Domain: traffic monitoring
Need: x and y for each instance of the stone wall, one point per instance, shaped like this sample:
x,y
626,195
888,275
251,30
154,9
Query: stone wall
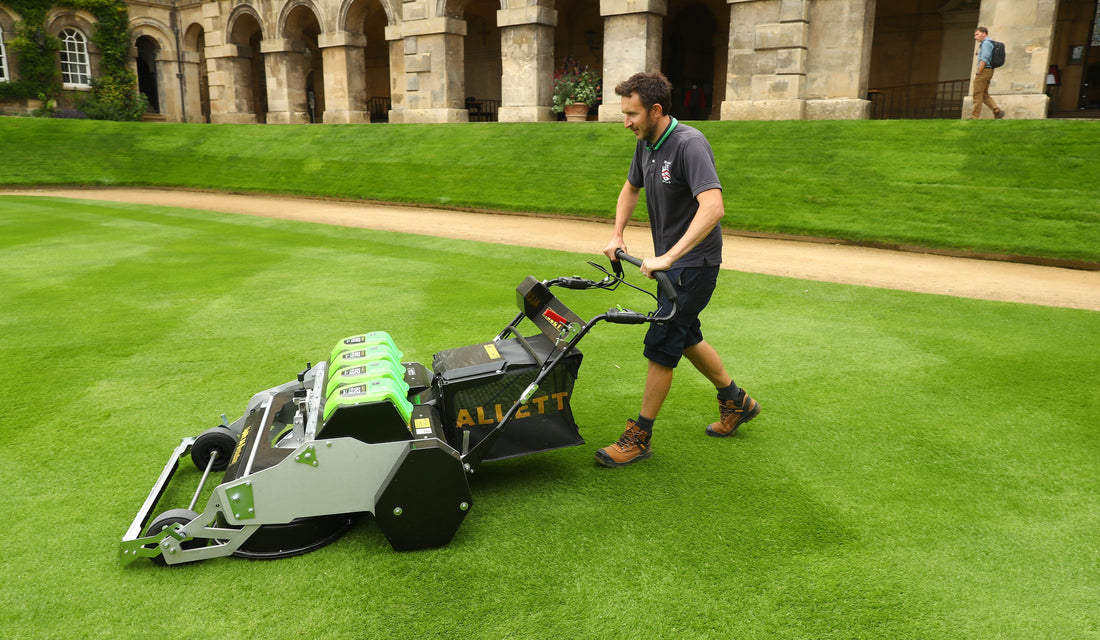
x,y
251,60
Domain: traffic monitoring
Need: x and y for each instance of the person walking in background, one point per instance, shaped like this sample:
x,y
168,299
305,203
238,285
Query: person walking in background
x,y
675,165
695,102
984,76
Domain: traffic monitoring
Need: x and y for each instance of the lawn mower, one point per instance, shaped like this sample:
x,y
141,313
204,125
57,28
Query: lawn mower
x,y
364,432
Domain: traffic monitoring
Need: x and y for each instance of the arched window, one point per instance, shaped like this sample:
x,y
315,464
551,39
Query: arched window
x,y
3,58
75,70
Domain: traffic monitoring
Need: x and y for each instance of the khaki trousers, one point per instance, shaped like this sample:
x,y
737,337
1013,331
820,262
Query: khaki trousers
x,y
981,93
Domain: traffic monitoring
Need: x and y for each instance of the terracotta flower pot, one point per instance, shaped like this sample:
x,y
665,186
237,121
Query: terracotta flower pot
x,y
576,112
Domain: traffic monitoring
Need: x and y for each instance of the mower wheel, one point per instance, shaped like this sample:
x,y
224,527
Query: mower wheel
x,y
167,519
220,439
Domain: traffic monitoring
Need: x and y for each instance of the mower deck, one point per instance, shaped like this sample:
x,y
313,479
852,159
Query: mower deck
x,y
365,432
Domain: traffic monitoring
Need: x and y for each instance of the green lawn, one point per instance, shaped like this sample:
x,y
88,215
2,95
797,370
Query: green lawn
x,y
1026,188
924,467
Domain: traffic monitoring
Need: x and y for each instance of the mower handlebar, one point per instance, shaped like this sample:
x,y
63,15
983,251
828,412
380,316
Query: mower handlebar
x,y
662,277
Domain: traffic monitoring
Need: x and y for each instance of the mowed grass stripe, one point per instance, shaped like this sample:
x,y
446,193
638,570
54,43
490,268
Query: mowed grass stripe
x,y
924,466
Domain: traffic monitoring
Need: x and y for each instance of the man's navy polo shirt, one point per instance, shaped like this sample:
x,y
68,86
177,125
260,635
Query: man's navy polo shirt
x,y
673,172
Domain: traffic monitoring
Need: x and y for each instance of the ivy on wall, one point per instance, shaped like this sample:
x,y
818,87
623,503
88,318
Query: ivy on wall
x,y
36,51
114,94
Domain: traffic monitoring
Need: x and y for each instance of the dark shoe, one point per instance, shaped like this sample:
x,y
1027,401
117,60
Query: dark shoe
x,y
999,113
733,415
632,446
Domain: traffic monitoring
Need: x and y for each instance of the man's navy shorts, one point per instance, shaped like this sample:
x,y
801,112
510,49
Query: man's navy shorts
x,y
665,343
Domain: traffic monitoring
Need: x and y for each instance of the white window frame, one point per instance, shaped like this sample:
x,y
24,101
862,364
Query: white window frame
x,y
4,77
76,68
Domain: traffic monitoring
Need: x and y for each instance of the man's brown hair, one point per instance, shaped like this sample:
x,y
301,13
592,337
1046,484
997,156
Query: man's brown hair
x,y
652,88
984,30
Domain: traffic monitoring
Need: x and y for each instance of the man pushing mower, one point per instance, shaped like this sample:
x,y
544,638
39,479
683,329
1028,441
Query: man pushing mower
x,y
675,165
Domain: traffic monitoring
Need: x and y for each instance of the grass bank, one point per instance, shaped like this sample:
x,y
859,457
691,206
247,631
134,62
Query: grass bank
x,y
1025,188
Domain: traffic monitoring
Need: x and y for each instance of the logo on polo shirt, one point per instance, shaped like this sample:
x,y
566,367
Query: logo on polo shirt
x,y
666,172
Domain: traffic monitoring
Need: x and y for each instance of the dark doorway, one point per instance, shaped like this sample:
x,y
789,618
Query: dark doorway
x,y
689,61
147,49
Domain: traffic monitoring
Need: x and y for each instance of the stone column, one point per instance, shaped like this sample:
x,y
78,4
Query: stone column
x,y
345,77
397,74
227,72
838,58
1027,29
286,70
230,97
168,87
527,49
631,43
767,60
431,85
192,79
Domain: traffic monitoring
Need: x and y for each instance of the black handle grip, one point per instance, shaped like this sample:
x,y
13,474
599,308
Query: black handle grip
x,y
662,278
623,316
574,283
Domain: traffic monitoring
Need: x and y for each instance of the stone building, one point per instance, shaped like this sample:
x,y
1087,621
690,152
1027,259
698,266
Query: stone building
x,y
358,61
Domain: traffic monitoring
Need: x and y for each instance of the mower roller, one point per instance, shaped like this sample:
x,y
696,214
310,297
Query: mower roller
x,y
364,432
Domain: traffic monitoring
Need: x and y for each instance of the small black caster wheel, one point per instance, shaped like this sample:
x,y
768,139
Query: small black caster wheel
x,y
167,519
216,439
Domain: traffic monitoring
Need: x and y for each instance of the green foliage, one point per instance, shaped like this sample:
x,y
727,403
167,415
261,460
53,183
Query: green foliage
x,y
113,98
39,73
48,108
576,84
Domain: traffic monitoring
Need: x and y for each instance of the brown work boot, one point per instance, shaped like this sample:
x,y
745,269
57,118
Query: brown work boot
x,y
999,113
632,446
733,415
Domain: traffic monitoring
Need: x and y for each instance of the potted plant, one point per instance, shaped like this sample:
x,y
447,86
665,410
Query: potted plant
x,y
576,89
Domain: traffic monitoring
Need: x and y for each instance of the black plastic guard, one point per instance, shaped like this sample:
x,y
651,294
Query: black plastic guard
x,y
424,500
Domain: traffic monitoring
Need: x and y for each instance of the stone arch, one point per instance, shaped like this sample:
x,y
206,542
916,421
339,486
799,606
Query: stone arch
x,y
8,19
234,22
156,30
148,52
287,24
367,58
196,72
244,96
295,65
350,12
59,18
194,37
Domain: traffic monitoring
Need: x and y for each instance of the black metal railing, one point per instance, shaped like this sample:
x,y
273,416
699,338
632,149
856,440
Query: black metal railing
x,y
379,108
919,101
482,109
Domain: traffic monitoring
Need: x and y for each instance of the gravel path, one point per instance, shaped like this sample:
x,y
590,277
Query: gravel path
x,y
925,273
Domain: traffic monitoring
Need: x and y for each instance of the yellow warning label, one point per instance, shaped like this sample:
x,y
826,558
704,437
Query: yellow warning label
x,y
492,351
422,426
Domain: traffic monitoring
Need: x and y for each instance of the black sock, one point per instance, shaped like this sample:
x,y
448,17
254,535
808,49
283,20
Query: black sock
x,y
645,424
732,392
